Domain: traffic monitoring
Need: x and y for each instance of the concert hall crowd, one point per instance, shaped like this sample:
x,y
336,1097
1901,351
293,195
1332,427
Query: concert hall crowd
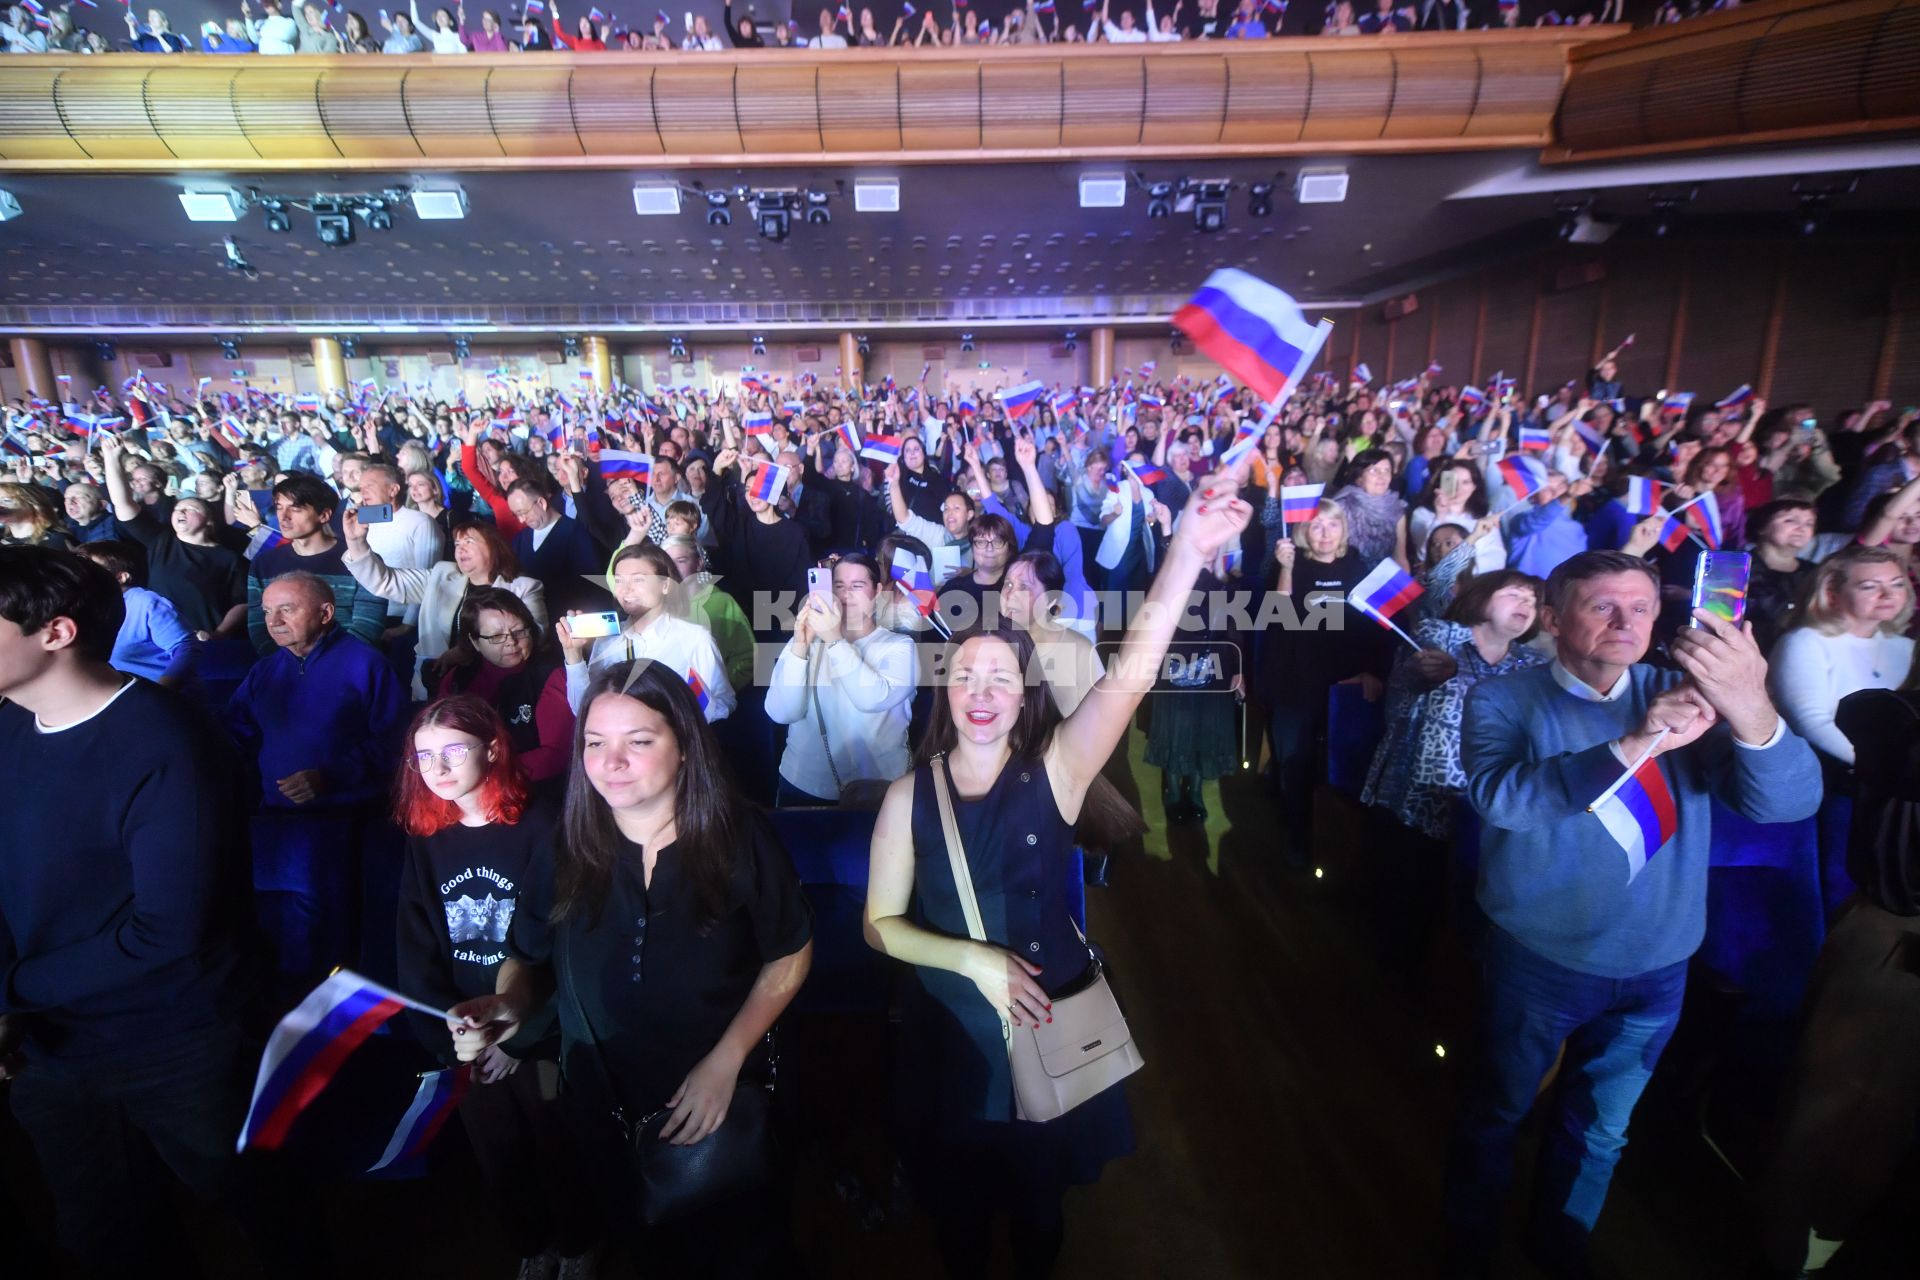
x,y
503,701
283,27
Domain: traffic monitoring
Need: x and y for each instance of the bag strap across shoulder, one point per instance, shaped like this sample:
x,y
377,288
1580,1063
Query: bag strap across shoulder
x,y
962,876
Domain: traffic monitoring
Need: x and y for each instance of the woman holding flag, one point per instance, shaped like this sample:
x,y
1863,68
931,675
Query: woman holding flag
x,y
1020,778
1317,644
474,831
669,932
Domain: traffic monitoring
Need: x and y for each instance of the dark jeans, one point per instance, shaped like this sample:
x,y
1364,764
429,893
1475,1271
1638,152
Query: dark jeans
x,y
527,1158
108,1131
1291,732
1614,1030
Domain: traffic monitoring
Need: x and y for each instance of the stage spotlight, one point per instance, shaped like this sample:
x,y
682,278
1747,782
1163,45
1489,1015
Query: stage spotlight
x,y
379,216
861,344
817,211
966,342
1073,339
718,215
334,229
1815,197
1667,206
759,344
775,221
462,346
570,346
349,346
677,350
278,220
230,348
1260,200
1160,200
1210,206
105,351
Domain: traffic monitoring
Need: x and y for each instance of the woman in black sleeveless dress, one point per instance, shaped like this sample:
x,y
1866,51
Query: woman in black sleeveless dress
x,y
1020,777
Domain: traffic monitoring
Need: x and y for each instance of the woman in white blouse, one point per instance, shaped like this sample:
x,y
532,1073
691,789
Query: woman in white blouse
x,y
846,686
1846,637
481,558
642,579
443,33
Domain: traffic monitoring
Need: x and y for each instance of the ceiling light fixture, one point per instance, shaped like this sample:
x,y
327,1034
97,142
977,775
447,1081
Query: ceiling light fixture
x,y
440,206
213,206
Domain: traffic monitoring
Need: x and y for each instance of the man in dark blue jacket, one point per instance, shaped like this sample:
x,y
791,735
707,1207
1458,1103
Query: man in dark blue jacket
x,y
558,550
124,920
320,718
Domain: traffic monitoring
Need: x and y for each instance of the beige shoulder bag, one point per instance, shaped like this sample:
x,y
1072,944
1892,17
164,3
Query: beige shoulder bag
x,y
1085,1050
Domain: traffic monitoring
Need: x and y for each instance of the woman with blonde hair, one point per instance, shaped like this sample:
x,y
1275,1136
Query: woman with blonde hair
x,y
31,517
1847,636
1307,642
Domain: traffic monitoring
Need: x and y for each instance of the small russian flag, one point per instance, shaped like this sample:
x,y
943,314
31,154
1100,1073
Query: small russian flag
x,y
617,464
1473,398
308,402
1385,591
1148,476
966,404
1739,397
1677,403
1522,475
849,435
1704,516
881,449
1641,815
1674,532
758,424
308,1047
437,1098
1362,375
1018,401
768,482
698,687
1595,442
750,381
1535,439
1299,502
1643,496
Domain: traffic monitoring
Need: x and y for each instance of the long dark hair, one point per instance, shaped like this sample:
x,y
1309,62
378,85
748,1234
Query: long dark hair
x,y
1106,819
706,804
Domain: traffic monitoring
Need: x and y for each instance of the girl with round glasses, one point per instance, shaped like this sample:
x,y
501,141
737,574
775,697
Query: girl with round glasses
x,y
474,831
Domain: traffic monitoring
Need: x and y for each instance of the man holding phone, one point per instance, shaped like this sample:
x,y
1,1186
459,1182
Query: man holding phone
x,y
399,535
1579,951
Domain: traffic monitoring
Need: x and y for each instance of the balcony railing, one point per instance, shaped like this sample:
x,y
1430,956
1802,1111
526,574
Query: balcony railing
x,y
1216,99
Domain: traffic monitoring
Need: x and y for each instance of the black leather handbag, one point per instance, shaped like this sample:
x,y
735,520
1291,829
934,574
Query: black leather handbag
x,y
670,1182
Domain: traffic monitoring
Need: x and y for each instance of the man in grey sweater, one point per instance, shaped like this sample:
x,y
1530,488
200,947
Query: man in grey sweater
x,y
1587,941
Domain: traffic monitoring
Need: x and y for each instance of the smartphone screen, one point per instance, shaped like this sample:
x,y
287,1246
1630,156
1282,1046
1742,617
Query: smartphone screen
x,y
375,513
593,626
1720,584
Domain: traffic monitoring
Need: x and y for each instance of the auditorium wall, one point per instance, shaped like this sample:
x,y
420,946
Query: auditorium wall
x,y
1829,321
284,366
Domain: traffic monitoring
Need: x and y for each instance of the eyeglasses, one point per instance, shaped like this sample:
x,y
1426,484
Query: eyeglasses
x,y
450,758
989,544
514,636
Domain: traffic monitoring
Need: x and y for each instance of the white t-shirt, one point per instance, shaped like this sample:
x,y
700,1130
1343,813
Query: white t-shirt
x,y
673,642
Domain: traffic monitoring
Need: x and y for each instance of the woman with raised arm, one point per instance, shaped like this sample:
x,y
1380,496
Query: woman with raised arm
x,y
1019,778
586,37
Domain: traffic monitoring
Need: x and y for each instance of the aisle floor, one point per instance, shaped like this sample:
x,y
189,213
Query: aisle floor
x,y
1291,1117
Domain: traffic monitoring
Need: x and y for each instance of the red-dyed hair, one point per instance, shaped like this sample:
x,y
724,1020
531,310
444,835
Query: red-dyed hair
x,y
503,791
